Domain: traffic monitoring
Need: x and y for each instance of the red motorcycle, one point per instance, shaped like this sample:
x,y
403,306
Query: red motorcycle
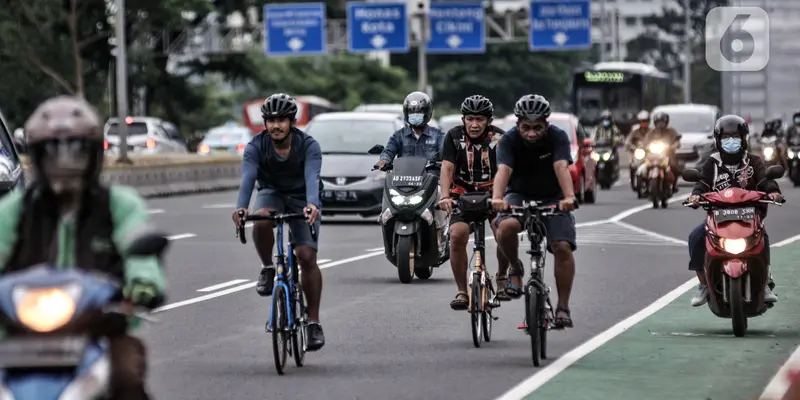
x,y
735,270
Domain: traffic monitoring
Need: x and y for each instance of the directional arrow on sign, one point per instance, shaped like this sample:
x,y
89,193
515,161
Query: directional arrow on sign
x,y
295,44
378,41
560,38
454,41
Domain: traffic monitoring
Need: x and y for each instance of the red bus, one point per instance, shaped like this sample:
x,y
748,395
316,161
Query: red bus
x,y
308,108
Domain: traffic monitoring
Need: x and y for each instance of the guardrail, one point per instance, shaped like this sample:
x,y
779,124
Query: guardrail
x,y
166,175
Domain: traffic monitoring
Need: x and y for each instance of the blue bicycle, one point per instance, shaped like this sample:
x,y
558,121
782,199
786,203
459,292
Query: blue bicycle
x,y
288,315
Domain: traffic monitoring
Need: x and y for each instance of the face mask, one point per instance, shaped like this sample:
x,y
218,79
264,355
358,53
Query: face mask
x,y
731,145
606,123
797,120
416,119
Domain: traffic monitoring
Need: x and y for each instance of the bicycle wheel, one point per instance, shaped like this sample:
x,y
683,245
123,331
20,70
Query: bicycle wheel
x,y
280,344
486,316
299,344
543,323
475,310
532,312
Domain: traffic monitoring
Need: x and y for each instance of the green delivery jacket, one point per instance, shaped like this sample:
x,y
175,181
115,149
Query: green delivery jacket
x,y
32,231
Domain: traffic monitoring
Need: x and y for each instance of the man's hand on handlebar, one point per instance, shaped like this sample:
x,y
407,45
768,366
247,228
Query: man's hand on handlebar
x,y
693,200
380,165
446,204
239,215
311,212
776,197
499,205
567,204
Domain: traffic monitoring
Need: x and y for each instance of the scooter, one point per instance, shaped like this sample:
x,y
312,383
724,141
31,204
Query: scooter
x,y
638,182
57,323
410,238
607,164
734,266
657,173
770,150
793,160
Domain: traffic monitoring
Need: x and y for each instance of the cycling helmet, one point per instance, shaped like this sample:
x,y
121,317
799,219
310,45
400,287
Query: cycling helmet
x,y
532,107
731,124
661,117
418,103
279,105
643,116
477,105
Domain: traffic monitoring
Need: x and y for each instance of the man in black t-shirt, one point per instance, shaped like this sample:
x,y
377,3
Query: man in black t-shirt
x,y
469,162
533,160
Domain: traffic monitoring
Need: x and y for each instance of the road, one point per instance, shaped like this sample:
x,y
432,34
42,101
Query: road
x,y
387,340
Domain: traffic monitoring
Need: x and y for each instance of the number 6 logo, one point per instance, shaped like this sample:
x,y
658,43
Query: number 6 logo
x,y
737,39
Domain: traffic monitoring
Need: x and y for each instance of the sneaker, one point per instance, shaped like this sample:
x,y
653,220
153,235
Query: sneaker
x,y
769,297
315,338
265,281
701,296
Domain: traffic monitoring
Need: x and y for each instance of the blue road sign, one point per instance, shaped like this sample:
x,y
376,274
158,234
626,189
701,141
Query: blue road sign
x,y
560,25
457,28
377,26
295,29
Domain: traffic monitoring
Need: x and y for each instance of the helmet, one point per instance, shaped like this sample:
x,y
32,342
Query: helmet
x,y
796,118
477,105
279,105
418,103
532,106
606,115
731,124
643,116
661,117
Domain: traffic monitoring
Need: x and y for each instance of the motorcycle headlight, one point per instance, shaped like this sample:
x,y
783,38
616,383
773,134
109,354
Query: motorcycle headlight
x,y
639,154
790,154
379,176
734,246
45,309
606,156
768,152
657,147
403,200
595,156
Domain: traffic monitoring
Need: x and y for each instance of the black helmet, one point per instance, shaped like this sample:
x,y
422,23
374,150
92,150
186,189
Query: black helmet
x,y
477,105
418,103
532,107
660,117
796,118
731,124
279,105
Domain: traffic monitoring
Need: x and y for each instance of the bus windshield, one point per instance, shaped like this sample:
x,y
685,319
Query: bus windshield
x,y
619,99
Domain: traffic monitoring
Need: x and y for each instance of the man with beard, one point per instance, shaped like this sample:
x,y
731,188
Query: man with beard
x,y
284,164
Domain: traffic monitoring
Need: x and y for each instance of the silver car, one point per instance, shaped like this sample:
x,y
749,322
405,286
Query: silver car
x,y
146,135
695,124
227,139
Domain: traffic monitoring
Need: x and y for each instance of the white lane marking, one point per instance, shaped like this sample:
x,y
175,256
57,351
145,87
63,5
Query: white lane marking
x,y
181,236
323,261
375,249
786,241
779,384
156,211
627,213
544,375
229,205
222,285
651,233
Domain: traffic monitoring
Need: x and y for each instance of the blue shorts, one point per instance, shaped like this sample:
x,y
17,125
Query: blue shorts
x,y
560,227
301,234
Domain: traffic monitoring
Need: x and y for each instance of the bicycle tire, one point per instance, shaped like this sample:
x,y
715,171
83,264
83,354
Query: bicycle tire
x,y
299,338
543,327
486,315
532,319
475,310
280,348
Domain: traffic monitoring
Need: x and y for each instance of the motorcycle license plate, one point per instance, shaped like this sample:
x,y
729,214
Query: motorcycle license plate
x,y
65,351
735,214
407,180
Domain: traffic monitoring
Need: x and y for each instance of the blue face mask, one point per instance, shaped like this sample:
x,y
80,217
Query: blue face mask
x,y
731,145
416,119
606,123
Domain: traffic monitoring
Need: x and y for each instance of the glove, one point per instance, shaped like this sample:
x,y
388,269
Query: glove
x,y
142,293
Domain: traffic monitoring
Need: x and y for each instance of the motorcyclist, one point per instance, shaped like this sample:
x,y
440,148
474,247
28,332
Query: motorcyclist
x,y
638,132
793,131
607,134
663,132
731,166
773,128
68,218
469,163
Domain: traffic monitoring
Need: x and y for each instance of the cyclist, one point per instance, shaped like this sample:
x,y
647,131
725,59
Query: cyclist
x,y
533,160
68,218
284,164
469,162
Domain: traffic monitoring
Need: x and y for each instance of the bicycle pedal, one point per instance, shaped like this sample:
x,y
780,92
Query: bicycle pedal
x,y
522,326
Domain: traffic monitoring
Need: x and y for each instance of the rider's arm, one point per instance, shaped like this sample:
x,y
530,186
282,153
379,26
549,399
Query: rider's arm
x,y
393,147
505,165
760,175
10,212
448,166
249,173
312,168
561,161
706,178
129,217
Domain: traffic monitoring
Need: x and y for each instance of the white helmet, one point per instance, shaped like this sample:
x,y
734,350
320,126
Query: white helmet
x,y
643,115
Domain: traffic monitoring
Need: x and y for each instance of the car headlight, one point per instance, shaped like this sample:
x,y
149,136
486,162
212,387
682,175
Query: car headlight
x,y
45,309
403,200
595,156
606,156
656,147
639,154
734,246
379,176
768,152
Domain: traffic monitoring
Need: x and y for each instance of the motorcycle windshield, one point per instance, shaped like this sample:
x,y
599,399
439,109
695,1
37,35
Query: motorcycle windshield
x,y
408,173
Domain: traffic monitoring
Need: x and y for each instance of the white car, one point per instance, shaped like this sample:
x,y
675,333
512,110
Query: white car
x,y
145,135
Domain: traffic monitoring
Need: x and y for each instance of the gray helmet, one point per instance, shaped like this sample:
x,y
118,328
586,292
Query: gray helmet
x,y
279,105
477,105
532,107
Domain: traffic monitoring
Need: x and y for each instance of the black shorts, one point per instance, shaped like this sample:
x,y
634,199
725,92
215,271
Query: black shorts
x,y
454,218
560,227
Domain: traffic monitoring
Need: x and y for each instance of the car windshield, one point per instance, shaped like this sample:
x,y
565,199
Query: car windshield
x,y
350,136
564,125
228,135
134,129
691,121
449,123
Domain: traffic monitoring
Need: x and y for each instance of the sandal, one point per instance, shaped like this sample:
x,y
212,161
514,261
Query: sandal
x,y
512,290
563,321
461,302
501,294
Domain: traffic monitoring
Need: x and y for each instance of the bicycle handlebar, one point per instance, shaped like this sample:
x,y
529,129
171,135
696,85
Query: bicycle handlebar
x,y
273,216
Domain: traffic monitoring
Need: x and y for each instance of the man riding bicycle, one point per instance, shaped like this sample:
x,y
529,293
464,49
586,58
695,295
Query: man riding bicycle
x,y
533,160
284,164
469,163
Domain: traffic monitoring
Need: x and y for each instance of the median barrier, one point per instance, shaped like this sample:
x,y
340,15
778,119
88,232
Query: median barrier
x,y
171,174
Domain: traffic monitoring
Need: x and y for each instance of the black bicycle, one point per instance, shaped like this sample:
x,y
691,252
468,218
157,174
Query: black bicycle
x,y
539,313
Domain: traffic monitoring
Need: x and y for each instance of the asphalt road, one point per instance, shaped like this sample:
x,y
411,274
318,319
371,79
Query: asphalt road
x,y
387,340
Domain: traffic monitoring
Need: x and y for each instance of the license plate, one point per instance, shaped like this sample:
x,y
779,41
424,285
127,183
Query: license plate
x,y
406,180
735,214
340,195
222,148
42,351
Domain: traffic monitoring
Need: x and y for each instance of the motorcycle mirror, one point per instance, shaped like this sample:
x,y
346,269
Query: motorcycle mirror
x,y
149,244
691,175
375,150
775,172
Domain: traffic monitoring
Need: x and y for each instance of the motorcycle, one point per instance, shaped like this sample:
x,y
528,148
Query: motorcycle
x,y
410,238
793,160
607,164
656,173
770,149
56,323
734,266
638,183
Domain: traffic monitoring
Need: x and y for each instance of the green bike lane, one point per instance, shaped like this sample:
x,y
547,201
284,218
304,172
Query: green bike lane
x,y
682,352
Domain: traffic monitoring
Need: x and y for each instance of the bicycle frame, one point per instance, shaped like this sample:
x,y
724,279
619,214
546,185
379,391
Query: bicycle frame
x,y
479,250
281,278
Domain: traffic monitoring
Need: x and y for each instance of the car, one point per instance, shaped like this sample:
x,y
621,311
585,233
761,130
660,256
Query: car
x,y
350,188
228,138
448,122
12,175
695,124
396,108
146,135
582,168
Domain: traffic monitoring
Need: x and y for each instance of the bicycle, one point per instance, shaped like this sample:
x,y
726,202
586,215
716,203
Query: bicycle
x,y
476,207
288,314
539,314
